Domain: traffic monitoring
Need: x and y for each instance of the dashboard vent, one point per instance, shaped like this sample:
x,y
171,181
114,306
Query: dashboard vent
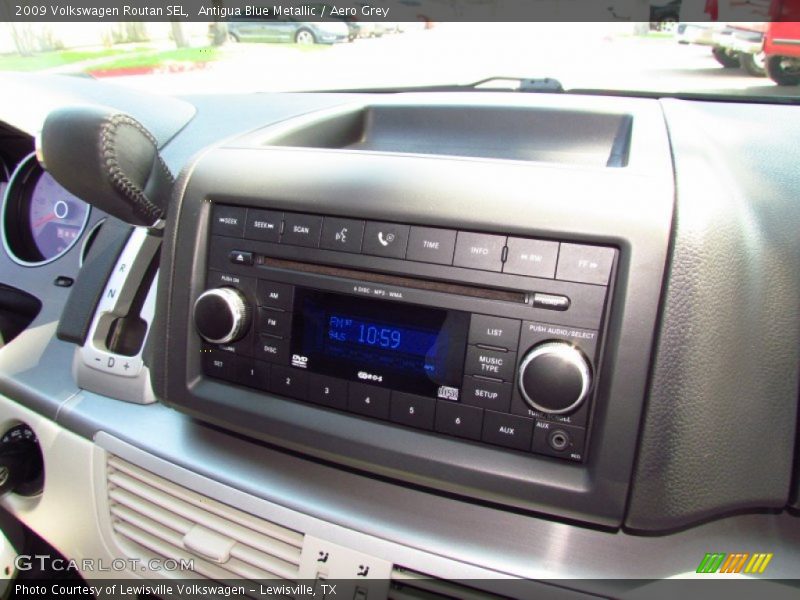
x,y
154,518
413,585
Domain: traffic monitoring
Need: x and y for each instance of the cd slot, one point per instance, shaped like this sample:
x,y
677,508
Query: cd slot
x,y
406,282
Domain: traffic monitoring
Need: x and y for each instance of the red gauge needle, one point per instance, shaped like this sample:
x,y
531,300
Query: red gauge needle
x,y
44,220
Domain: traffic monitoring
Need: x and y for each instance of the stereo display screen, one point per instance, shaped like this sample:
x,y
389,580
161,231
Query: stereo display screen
x,y
415,349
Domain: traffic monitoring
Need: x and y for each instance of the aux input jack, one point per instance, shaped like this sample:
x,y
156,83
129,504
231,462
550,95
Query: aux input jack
x,y
559,440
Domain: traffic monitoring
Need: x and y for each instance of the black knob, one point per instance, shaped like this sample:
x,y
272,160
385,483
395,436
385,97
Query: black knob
x,y
554,377
21,464
221,315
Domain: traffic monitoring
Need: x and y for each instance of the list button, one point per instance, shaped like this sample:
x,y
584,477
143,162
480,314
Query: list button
x,y
494,331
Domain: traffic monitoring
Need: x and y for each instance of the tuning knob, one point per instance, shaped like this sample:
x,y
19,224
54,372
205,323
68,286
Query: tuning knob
x,y
554,377
221,315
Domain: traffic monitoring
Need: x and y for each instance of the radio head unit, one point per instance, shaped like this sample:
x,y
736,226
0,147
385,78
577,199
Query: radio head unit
x,y
474,362
473,326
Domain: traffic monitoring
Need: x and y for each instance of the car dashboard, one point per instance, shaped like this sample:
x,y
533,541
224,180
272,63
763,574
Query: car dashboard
x,y
451,343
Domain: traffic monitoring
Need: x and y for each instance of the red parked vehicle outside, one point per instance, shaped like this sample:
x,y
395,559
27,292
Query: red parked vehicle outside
x,y
782,43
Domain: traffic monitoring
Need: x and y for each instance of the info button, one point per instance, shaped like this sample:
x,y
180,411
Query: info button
x,y
479,251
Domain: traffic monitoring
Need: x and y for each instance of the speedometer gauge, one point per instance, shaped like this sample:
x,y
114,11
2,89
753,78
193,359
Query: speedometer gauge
x,y
41,220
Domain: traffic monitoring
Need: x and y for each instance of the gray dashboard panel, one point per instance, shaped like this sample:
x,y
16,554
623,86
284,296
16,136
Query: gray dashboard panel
x,y
630,208
719,434
489,537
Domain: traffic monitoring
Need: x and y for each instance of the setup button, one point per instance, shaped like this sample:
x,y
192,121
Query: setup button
x,y
494,395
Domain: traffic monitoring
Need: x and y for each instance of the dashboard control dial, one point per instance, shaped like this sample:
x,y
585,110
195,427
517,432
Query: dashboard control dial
x,y
554,377
221,315
21,463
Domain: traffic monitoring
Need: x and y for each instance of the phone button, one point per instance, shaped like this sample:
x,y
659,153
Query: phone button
x,y
385,239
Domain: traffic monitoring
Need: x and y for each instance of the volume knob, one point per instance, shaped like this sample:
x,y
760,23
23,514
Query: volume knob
x,y
554,377
221,315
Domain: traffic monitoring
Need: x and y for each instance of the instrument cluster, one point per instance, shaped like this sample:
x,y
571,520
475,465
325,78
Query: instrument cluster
x,y
41,221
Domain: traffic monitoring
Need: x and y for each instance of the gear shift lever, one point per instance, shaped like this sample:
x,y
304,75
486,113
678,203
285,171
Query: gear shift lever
x,y
108,159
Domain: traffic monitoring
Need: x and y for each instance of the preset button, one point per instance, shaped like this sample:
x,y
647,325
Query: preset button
x,y
368,400
413,411
327,391
288,382
459,420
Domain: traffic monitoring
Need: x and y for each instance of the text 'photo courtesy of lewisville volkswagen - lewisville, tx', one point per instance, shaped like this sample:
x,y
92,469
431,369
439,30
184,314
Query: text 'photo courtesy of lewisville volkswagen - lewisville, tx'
x,y
400,299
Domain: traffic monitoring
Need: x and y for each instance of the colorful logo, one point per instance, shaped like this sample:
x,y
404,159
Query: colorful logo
x,y
736,562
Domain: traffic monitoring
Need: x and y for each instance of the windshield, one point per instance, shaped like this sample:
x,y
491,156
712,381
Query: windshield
x,y
665,47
